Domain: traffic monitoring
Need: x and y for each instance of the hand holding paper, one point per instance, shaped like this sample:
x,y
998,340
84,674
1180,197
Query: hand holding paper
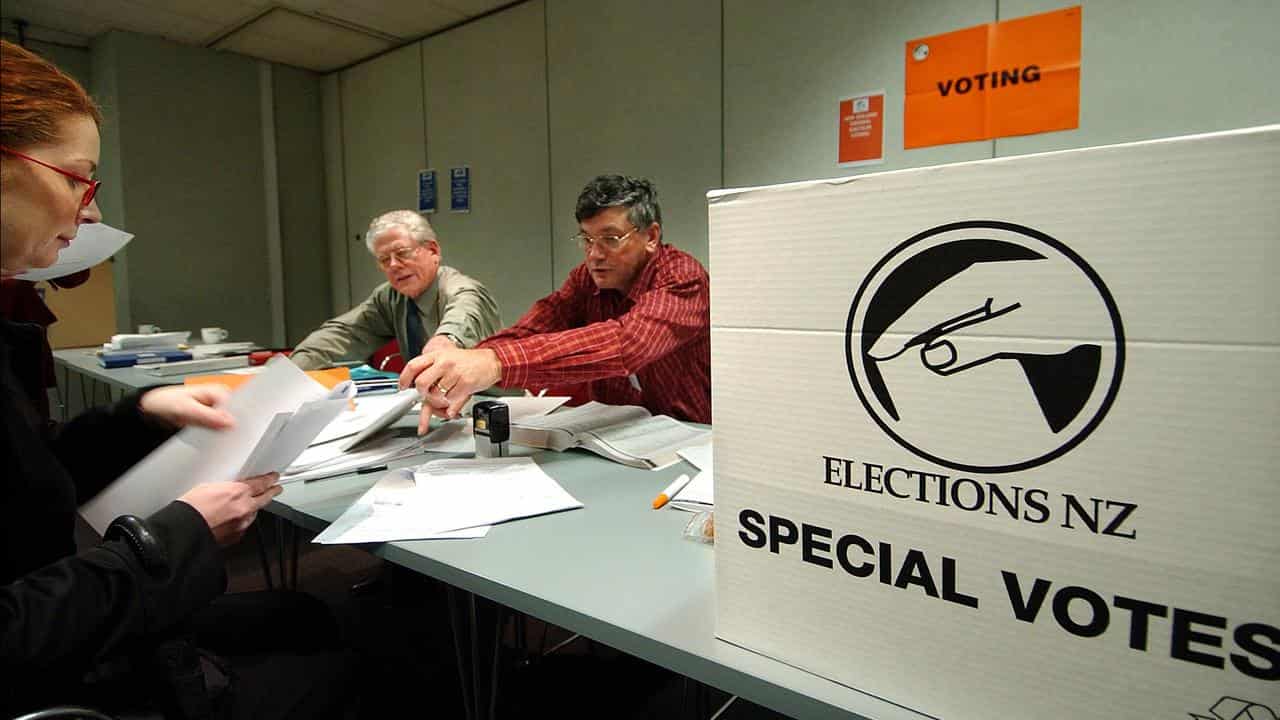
x,y
183,405
258,442
231,507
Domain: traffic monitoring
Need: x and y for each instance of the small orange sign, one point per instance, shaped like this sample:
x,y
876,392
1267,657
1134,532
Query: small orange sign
x,y
861,130
1014,77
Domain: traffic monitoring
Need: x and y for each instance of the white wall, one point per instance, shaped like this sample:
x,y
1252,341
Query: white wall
x,y
785,71
485,88
1149,68
183,169
383,147
634,89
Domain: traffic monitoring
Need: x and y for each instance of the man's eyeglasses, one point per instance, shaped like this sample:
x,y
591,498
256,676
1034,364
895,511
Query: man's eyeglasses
x,y
608,242
89,192
404,255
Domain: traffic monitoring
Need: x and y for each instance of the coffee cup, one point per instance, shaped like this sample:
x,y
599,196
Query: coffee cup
x,y
211,335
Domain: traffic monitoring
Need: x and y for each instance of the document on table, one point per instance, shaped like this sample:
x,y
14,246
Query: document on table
x,y
198,455
448,495
699,494
330,460
94,243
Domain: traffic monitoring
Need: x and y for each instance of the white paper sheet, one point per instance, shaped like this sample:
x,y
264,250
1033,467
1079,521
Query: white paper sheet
x,y
699,494
199,455
448,495
274,454
94,242
331,460
387,503
698,455
454,436
371,413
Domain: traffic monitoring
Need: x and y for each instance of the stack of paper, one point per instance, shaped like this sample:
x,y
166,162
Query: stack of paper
x,y
358,438
222,349
152,341
443,497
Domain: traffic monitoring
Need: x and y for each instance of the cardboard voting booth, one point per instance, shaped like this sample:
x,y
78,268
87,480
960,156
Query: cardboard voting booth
x,y
1001,439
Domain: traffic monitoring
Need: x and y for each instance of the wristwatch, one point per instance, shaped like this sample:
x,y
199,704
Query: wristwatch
x,y
135,533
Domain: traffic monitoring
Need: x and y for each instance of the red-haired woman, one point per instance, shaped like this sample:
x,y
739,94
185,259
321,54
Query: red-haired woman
x,y
85,627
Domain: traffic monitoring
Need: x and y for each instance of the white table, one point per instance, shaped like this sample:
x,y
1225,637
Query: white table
x,y
617,572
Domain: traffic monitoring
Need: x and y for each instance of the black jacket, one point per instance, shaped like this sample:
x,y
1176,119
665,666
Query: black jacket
x,y
64,614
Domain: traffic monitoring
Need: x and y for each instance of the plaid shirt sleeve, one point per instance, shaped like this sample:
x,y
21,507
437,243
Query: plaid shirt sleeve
x,y
546,348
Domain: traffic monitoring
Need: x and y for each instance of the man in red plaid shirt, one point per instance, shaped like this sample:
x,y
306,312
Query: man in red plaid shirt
x,y
631,325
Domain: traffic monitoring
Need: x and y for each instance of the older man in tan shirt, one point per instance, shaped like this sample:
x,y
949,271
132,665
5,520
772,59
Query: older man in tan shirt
x,y
424,305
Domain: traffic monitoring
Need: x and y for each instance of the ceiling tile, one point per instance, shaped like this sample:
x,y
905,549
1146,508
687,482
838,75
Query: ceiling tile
x,y
54,16
309,42
402,19
471,8
292,38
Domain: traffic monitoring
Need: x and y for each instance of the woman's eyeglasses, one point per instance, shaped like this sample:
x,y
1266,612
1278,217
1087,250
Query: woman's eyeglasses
x,y
89,192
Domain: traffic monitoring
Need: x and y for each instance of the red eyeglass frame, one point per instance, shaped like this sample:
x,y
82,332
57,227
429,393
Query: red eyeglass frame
x,y
89,192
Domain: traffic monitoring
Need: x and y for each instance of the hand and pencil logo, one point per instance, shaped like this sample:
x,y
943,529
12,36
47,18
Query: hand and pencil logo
x,y
1232,708
990,328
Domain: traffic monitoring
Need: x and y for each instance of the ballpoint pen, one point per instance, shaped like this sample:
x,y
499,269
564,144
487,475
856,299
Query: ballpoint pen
x,y
665,496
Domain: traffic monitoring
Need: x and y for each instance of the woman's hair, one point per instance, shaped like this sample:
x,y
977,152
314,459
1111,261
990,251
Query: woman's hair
x,y
35,96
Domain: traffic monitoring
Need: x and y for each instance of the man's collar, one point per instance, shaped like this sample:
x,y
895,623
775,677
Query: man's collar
x,y
428,297
645,279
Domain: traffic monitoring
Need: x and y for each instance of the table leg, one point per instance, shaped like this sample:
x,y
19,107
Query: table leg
x,y
263,556
294,549
280,553
470,646
64,393
459,639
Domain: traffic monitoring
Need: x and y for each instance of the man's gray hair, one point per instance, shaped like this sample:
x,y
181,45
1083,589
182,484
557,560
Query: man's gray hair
x,y
411,222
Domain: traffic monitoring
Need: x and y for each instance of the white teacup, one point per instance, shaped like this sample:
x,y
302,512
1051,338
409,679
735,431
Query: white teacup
x,y
148,329
211,335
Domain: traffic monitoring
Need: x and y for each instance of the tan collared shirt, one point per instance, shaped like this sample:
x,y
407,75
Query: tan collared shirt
x,y
454,305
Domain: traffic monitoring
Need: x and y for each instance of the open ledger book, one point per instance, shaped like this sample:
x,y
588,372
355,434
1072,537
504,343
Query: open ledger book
x,y
625,434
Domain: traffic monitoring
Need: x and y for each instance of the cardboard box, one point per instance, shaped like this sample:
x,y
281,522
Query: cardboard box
x,y
1000,439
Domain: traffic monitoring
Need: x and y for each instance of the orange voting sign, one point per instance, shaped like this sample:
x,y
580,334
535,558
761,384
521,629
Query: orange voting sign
x,y
1014,77
861,130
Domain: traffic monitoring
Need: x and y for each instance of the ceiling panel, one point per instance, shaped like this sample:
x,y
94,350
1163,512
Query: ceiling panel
x,y
266,29
472,8
403,20
53,15
292,38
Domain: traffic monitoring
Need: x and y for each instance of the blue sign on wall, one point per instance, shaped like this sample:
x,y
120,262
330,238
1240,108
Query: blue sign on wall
x,y
426,191
460,189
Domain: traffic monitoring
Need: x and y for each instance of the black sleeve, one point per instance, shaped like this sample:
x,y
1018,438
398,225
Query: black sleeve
x,y
89,606
100,444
